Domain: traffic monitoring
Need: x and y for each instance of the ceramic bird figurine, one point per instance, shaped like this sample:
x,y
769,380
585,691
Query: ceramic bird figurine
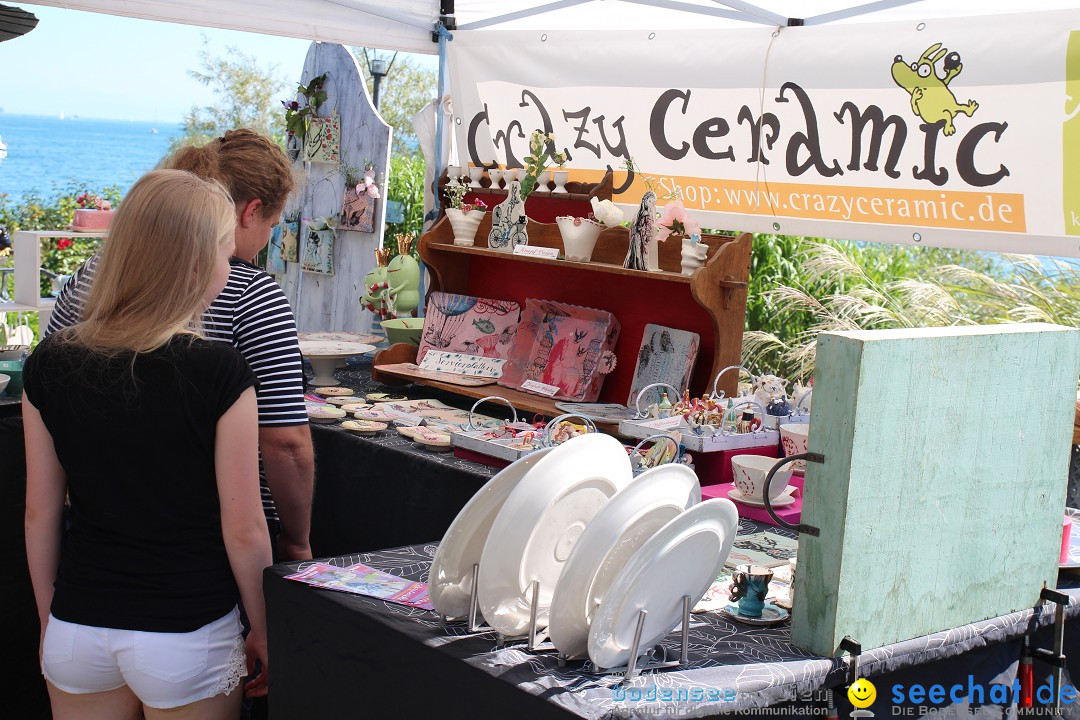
x,y
642,231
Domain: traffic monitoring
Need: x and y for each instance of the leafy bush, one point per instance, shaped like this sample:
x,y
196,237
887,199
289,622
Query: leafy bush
x,y
406,186
61,255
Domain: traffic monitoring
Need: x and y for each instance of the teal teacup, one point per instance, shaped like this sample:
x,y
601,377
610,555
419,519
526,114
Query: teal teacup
x,y
749,587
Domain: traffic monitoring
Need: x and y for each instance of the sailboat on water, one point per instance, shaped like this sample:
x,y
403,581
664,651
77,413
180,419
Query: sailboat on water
x,y
3,149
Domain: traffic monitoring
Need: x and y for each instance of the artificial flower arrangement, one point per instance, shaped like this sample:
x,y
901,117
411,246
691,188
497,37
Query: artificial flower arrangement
x,y
358,204
296,117
537,160
87,201
464,217
675,221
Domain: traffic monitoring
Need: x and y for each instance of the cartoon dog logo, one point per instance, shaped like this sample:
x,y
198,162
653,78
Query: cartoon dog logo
x,y
931,98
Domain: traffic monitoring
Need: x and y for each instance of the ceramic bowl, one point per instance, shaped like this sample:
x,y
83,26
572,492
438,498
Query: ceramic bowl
x,y
750,472
404,330
794,438
4,380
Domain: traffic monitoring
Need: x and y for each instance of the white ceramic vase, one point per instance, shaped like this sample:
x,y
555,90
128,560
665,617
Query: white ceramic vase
x,y
693,256
652,255
464,225
579,237
475,173
561,177
542,181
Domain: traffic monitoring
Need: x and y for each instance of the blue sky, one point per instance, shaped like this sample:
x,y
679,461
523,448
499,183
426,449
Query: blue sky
x,y
103,66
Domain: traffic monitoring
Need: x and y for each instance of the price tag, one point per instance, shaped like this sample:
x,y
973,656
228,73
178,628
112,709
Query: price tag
x,y
537,251
539,387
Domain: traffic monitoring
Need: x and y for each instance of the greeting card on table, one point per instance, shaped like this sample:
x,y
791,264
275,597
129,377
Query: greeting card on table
x,y
666,355
768,549
360,579
564,346
322,143
467,324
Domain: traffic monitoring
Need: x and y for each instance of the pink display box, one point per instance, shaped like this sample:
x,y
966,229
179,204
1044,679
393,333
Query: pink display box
x,y
792,513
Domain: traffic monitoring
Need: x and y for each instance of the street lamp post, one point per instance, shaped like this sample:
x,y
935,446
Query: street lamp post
x,y
378,68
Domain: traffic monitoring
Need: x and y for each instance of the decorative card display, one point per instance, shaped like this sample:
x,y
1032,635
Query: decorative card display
x,y
462,364
275,259
322,143
357,211
290,241
564,346
666,355
318,251
467,324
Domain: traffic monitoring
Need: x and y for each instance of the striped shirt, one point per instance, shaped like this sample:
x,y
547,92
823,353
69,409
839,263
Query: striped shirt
x,y
251,314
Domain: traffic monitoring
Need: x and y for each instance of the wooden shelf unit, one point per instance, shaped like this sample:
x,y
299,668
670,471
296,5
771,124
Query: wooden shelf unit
x,y
711,302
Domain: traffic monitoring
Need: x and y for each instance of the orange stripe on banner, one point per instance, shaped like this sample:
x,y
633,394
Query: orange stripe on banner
x,y
1003,212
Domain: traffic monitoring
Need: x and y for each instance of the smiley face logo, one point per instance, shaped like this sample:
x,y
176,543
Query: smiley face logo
x,y
862,693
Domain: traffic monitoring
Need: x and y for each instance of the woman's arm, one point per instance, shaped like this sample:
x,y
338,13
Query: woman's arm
x,y
243,525
46,487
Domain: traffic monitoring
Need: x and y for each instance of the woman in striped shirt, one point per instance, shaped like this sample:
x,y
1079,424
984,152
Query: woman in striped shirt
x,y
253,315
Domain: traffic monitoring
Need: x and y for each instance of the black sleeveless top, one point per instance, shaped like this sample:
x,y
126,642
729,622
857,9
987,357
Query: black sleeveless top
x,y
143,549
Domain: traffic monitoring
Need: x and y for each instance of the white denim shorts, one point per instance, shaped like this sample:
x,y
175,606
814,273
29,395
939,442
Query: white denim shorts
x,y
164,670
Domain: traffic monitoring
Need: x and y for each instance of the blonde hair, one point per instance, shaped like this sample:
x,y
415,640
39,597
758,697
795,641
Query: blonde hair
x,y
156,263
249,165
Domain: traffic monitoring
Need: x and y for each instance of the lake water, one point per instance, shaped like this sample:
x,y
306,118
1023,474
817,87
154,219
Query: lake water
x,y
46,154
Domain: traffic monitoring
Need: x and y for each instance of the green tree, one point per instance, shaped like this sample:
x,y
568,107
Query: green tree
x,y
247,94
403,92
406,186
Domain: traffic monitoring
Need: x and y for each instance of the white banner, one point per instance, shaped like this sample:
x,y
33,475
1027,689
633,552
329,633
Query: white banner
x,y
953,132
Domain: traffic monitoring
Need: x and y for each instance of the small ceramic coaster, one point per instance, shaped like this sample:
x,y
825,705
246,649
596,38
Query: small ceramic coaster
x,y
385,397
770,615
343,401
334,391
363,427
355,407
325,415
373,415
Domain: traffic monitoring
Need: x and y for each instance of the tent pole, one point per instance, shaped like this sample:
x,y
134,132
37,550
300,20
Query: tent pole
x,y
857,10
444,37
700,10
763,15
528,12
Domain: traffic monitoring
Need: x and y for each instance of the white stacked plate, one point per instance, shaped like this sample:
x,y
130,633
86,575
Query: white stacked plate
x,y
635,514
450,579
682,558
540,523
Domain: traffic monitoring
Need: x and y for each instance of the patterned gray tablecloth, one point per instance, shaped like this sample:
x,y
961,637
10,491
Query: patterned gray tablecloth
x,y
759,664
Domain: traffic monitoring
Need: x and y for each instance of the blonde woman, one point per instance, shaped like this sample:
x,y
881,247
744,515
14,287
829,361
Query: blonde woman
x,y
150,430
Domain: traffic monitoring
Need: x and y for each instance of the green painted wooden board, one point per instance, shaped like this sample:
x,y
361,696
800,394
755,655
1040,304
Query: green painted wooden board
x,y
941,496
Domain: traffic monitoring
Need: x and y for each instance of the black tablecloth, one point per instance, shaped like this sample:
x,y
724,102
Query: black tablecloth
x,y
384,491
333,652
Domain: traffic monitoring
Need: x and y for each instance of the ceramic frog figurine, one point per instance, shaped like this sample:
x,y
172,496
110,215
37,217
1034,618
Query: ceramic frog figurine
x,y
931,98
403,276
375,297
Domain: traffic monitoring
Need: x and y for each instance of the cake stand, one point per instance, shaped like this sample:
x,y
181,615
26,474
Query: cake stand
x,y
324,355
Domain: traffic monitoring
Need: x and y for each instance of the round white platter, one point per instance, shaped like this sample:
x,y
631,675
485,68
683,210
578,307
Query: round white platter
x,y
533,534
450,577
682,558
651,501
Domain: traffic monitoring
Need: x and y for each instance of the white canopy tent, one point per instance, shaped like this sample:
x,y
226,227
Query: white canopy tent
x,y
736,54
406,25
